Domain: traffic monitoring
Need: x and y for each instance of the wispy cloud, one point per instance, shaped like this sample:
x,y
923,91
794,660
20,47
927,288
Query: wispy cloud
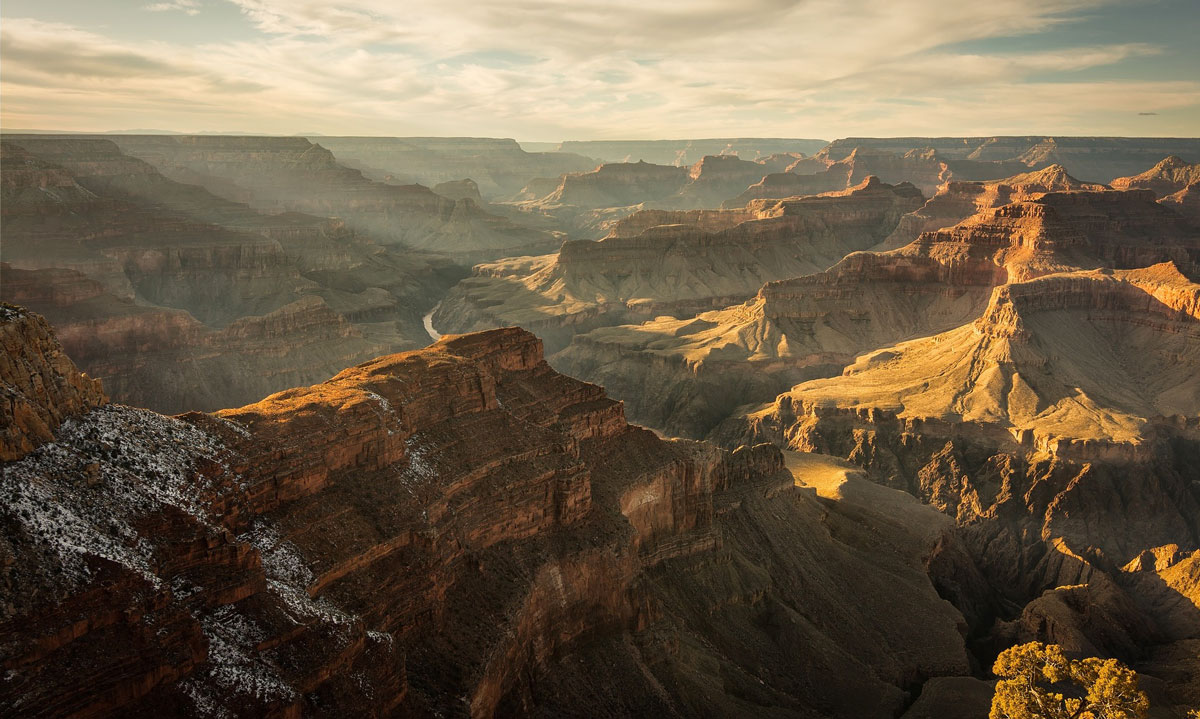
x,y
191,7
593,68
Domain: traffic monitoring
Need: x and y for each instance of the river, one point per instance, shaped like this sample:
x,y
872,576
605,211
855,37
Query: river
x,y
428,322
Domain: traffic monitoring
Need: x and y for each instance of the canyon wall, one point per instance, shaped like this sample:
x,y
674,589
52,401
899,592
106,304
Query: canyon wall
x,y
458,531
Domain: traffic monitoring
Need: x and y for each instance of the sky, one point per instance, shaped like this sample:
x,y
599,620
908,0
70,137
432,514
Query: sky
x,y
547,70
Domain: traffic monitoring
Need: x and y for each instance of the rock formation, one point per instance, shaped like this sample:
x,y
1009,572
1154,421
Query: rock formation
x,y
457,530
957,200
42,387
1176,182
681,263
1167,177
820,174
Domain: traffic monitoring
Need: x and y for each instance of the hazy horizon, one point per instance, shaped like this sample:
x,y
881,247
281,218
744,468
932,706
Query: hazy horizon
x,y
544,71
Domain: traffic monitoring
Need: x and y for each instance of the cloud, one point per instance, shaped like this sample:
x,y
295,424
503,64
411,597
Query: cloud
x,y
1147,113
191,7
597,68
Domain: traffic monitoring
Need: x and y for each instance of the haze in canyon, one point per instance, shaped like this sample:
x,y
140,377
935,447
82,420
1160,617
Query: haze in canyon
x,y
384,360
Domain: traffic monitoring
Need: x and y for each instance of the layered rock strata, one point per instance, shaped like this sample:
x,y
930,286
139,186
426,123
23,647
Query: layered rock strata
x,y
702,259
684,374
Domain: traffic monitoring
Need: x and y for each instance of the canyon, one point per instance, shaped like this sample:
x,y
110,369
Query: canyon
x,y
735,427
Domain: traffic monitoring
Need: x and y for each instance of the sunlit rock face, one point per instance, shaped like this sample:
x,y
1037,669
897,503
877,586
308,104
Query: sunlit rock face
x,y
456,530
1175,182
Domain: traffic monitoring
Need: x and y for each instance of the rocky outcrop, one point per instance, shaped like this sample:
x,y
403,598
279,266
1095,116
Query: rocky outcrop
x,y
1166,178
457,530
1176,182
1065,230
955,201
618,185
41,385
830,171
704,260
1186,202
588,205
499,166
923,169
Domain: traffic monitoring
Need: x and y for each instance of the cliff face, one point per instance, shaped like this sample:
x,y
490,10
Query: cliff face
x,y
618,185
499,167
459,531
41,385
687,375
1063,230
151,283
955,201
706,259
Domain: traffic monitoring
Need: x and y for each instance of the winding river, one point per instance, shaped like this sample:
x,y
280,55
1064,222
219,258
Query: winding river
x,y
428,322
